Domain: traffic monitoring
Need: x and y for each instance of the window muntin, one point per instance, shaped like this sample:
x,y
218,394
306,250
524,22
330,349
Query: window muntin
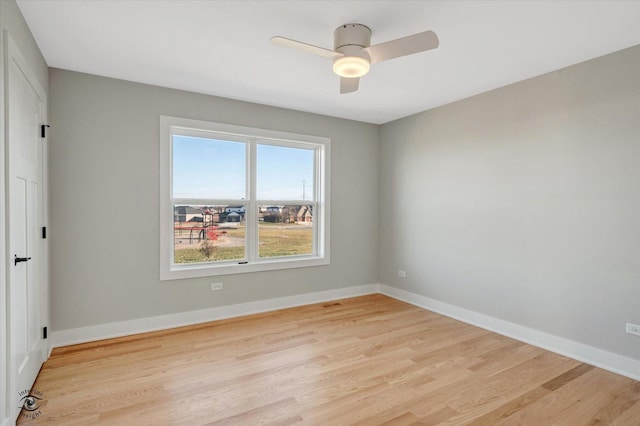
x,y
212,173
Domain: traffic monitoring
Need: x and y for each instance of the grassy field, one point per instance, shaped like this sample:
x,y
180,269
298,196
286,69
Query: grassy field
x,y
193,255
275,240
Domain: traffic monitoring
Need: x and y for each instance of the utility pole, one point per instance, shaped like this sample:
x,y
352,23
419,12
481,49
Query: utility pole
x,y
303,189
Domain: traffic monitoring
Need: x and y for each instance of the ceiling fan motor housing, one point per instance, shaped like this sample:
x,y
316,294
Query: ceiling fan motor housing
x,y
350,39
353,54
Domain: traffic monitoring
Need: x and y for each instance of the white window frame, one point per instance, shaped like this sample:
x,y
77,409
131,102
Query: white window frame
x,y
170,126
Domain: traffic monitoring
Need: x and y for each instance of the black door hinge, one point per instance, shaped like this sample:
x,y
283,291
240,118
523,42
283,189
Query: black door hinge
x,y
43,130
44,232
44,332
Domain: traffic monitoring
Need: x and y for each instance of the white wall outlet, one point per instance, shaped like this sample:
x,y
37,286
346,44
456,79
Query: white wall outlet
x,y
402,274
216,286
633,329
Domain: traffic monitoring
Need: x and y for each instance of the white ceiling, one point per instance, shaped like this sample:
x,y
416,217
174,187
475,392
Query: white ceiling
x,y
222,47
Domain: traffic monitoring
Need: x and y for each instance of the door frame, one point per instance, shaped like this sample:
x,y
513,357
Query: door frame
x,y
11,53
4,331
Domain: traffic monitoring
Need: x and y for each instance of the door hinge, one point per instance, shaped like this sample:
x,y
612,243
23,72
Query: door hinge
x,y
44,232
43,130
44,332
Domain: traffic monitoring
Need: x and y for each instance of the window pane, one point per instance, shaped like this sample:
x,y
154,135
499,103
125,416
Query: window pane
x,y
285,230
208,233
284,173
208,168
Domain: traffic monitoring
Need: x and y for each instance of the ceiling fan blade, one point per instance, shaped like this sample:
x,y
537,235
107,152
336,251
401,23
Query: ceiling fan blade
x,y
348,85
305,47
402,46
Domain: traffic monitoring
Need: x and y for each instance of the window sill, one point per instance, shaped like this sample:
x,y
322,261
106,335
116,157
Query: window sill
x,y
209,270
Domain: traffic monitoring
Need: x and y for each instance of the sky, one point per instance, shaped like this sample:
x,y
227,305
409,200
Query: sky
x,y
215,169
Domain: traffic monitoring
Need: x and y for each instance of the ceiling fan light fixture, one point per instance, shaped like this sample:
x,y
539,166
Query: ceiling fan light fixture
x,y
351,66
353,53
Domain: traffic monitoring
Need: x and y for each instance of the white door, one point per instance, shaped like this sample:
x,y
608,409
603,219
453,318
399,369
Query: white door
x,y
25,109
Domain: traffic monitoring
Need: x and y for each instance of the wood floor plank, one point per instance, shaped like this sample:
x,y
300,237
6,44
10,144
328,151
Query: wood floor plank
x,y
581,401
365,360
563,379
629,417
513,406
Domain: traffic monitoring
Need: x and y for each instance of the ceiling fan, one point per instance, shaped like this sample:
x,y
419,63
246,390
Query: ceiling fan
x,y
353,53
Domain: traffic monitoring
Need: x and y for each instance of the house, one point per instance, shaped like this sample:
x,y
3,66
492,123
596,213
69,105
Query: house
x,y
272,214
493,180
304,214
232,214
187,214
234,209
233,217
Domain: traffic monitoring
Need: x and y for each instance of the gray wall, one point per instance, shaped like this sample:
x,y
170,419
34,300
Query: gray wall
x,y
523,203
104,163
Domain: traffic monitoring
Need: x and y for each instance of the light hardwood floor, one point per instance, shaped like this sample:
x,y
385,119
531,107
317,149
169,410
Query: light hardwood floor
x,y
367,360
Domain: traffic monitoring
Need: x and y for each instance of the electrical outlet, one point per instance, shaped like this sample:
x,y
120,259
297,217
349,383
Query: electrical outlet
x,y
216,286
402,274
633,329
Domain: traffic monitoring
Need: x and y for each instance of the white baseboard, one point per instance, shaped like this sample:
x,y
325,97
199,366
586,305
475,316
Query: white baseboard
x,y
163,322
591,355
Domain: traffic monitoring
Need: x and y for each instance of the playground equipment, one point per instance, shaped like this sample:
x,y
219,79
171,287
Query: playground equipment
x,y
207,231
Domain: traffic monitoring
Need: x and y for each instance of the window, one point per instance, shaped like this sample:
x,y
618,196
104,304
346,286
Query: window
x,y
237,199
